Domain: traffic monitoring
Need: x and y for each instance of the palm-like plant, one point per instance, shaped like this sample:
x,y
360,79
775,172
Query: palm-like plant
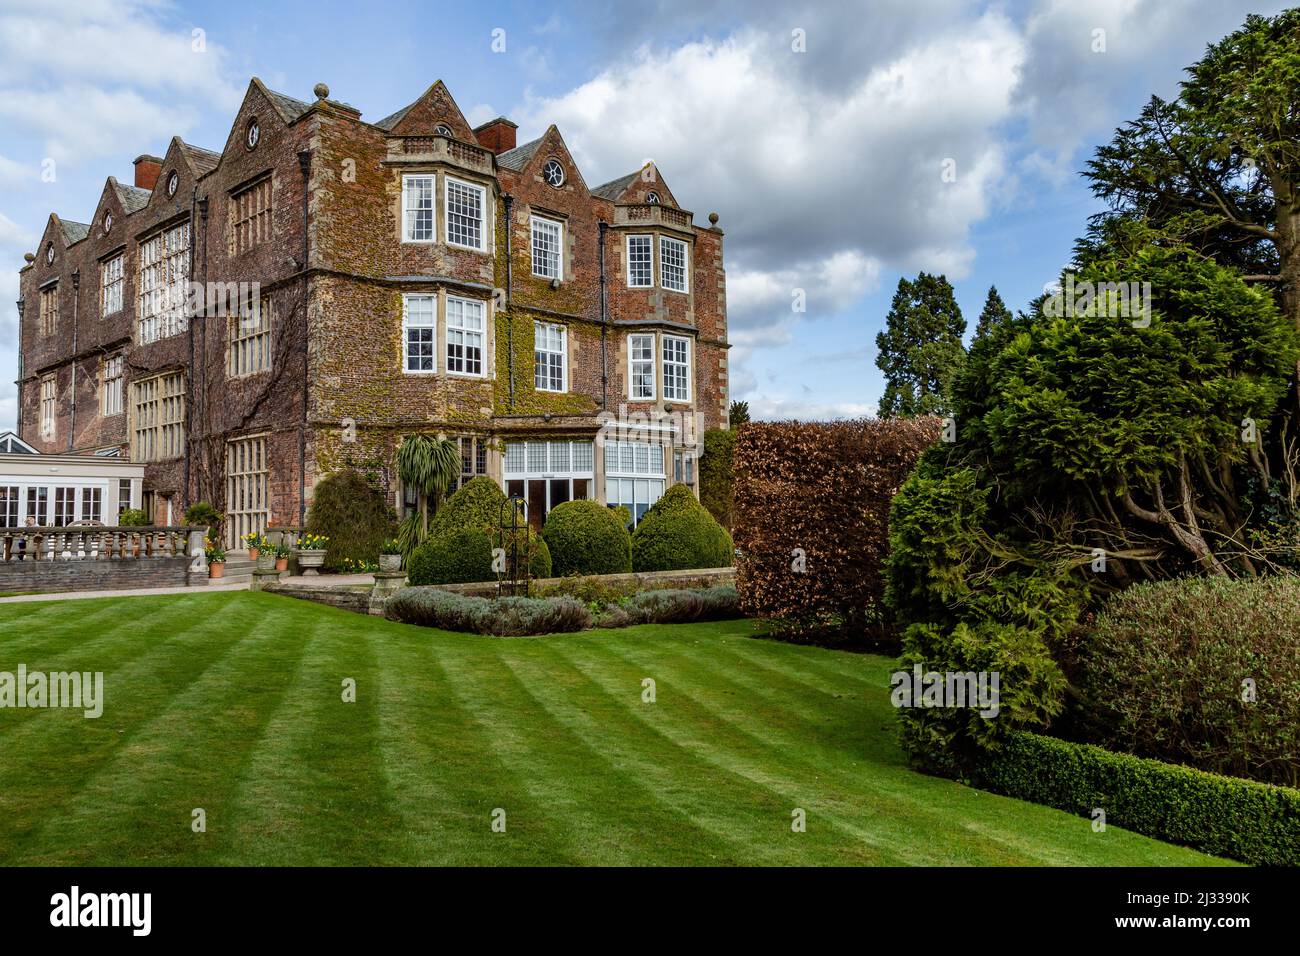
x,y
429,465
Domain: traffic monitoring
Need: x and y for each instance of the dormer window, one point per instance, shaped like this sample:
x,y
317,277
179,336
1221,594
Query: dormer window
x,y
254,133
652,198
442,129
553,173
173,182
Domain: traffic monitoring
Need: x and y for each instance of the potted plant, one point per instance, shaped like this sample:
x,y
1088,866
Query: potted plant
x,y
282,552
216,557
390,555
311,553
203,515
253,541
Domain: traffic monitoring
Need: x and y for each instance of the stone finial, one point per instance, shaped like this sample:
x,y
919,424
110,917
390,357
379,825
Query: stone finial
x,y
713,219
29,257
322,91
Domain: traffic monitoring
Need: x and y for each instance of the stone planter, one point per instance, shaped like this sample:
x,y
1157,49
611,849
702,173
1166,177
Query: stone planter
x,y
217,569
266,561
309,561
390,562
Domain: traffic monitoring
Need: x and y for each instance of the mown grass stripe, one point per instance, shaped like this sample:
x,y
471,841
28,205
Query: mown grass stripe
x,y
675,818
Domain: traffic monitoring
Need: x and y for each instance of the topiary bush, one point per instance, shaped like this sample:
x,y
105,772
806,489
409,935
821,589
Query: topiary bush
x,y
678,534
354,515
1203,671
717,474
464,555
585,537
476,504
457,556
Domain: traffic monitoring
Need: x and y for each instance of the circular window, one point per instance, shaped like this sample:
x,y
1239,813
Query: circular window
x,y
173,181
652,198
254,133
553,172
108,222
442,129
49,254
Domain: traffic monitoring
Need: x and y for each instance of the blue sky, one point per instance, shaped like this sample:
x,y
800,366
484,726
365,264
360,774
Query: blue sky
x,y
824,163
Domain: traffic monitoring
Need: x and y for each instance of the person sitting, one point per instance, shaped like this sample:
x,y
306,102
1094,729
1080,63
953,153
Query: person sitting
x,y
22,542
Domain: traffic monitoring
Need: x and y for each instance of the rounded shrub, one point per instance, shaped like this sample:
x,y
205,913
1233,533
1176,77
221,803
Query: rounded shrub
x,y
464,555
477,504
458,556
1202,671
678,534
585,537
354,515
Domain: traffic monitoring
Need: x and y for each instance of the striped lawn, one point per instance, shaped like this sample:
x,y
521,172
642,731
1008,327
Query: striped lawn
x,y
232,703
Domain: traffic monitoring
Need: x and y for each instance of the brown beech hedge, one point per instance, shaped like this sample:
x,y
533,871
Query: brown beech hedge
x,y
812,519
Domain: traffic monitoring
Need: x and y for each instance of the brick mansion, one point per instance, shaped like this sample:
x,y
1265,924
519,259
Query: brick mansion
x,y
375,279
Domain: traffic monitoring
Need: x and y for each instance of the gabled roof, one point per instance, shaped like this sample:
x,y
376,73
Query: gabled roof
x,y
520,156
288,108
615,188
132,198
11,444
203,160
388,122
73,231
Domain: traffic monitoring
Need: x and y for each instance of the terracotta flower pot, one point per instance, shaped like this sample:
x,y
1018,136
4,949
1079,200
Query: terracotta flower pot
x,y
217,569
253,553
282,564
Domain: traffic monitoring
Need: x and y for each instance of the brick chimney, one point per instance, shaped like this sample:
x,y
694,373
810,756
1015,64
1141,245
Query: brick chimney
x,y
497,135
147,171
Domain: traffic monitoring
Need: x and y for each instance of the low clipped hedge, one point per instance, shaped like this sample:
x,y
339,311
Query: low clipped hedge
x,y
1254,822
464,555
502,617
679,534
682,606
585,537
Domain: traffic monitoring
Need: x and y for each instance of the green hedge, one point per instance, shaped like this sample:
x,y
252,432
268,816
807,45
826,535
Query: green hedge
x,y
1226,816
717,474
585,537
678,534
464,555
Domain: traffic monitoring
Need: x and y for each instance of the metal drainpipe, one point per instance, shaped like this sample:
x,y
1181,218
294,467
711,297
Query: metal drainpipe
x,y
22,309
201,394
304,164
189,377
604,322
509,202
76,307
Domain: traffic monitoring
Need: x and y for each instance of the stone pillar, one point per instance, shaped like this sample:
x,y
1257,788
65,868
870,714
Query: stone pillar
x,y
387,583
263,577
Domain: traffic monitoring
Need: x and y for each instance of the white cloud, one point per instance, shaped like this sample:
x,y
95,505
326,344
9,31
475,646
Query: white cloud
x,y
87,76
767,408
